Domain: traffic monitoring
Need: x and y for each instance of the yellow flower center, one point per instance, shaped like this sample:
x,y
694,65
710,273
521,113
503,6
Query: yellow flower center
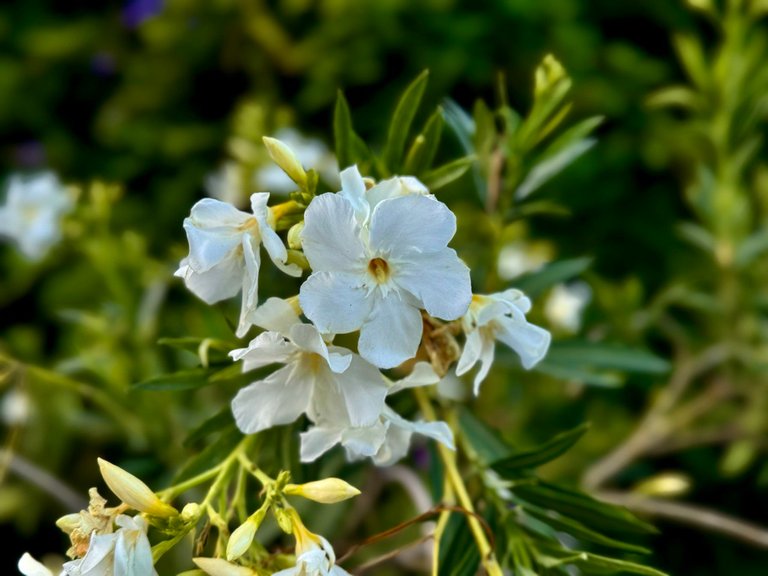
x,y
379,269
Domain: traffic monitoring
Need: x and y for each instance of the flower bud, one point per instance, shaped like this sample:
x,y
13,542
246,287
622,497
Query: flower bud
x,y
241,538
220,567
326,491
286,159
549,73
294,236
69,523
191,512
133,491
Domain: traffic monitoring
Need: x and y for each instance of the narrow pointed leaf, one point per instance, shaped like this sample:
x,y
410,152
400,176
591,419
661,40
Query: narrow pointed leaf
x,y
513,465
402,119
447,173
534,283
343,133
424,147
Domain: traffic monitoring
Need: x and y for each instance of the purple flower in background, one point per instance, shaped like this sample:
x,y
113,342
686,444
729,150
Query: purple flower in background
x,y
29,154
103,64
135,12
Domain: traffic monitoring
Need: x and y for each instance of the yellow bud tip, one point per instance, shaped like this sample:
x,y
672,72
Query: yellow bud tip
x,y
133,491
326,491
284,157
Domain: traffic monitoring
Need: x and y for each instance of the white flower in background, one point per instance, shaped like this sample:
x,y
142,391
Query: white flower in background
x,y
123,553
325,382
314,557
32,213
224,256
226,184
15,408
565,305
310,152
520,257
386,440
375,276
501,317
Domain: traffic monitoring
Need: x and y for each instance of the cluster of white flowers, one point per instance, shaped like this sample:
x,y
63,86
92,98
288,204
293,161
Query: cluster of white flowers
x,y
380,264
32,213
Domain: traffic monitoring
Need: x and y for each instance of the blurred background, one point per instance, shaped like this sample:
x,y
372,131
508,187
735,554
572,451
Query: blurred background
x,y
152,98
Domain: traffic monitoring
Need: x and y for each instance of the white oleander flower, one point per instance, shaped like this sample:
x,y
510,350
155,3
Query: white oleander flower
x,y
32,213
310,152
313,559
501,317
386,440
125,552
376,273
224,256
226,184
325,382
565,305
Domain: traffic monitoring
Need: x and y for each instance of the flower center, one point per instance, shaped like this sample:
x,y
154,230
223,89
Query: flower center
x,y
379,269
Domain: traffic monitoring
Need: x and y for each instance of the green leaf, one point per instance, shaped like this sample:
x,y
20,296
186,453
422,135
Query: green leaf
x,y
483,440
211,455
177,381
218,421
447,173
424,147
547,169
534,283
751,248
343,133
606,356
400,126
586,376
458,551
511,466
589,563
582,508
578,530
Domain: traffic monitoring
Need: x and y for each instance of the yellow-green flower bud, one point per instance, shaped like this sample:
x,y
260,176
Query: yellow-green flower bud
x,y
69,522
191,512
133,491
326,491
549,73
294,236
241,539
286,159
220,567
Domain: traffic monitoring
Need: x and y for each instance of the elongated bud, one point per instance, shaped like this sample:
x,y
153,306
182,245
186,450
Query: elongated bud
x,y
220,567
549,73
133,491
286,159
241,538
326,491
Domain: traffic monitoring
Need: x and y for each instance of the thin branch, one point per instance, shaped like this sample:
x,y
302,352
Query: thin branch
x,y
45,481
692,515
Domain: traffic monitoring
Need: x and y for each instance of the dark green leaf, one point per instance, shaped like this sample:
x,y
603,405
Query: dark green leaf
x,y
534,283
424,147
483,440
458,552
211,455
511,466
343,133
447,173
605,355
580,374
220,420
589,563
578,530
178,381
582,508
402,119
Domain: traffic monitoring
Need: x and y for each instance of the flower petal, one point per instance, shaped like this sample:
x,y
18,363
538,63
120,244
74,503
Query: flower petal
x,y
439,280
31,567
331,236
422,375
222,281
276,315
279,398
411,223
250,300
394,188
529,341
392,333
267,348
335,302
306,337
353,190
363,391
317,441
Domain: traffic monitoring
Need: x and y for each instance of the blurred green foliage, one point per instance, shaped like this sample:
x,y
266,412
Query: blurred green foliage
x,y
664,218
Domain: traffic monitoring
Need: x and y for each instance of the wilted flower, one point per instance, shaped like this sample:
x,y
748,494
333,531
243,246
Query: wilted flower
x,y
375,274
224,255
500,317
32,213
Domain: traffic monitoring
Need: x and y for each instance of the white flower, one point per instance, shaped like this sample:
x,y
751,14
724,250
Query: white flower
x,y
220,567
226,183
327,382
123,553
314,560
224,253
310,152
501,317
376,273
32,213
387,439
520,257
566,304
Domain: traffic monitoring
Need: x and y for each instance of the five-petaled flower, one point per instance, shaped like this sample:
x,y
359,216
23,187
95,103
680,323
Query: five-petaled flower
x,y
224,256
375,271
